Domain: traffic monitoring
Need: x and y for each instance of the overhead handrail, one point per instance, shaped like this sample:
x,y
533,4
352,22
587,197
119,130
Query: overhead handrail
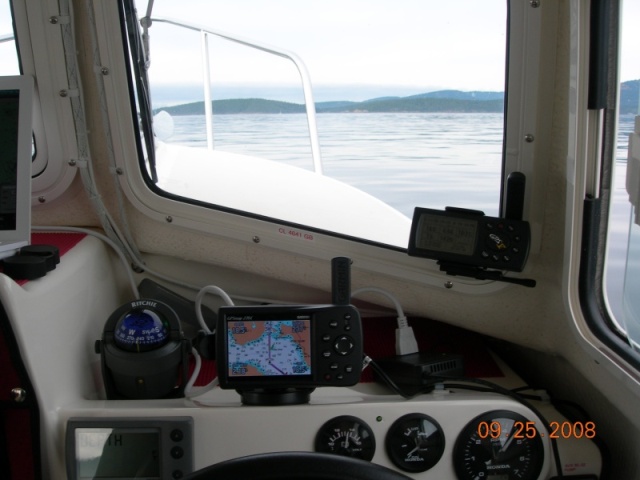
x,y
297,61
6,38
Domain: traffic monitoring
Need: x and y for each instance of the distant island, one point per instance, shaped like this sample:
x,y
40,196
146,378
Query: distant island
x,y
449,101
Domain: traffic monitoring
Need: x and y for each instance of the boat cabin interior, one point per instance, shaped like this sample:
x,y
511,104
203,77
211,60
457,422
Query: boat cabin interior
x,y
209,272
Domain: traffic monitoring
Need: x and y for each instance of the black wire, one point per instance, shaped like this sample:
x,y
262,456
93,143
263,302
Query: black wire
x,y
393,385
519,398
480,386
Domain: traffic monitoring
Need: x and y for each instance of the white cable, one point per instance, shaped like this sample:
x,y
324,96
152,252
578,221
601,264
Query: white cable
x,y
203,291
105,239
85,163
406,342
196,372
189,390
125,235
387,294
196,391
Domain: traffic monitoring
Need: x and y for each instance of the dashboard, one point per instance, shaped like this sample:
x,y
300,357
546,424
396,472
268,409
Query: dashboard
x,y
455,432
447,434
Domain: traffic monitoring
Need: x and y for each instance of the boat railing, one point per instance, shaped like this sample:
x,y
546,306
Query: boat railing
x,y
297,61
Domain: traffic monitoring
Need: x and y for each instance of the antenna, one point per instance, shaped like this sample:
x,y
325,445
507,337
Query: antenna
x,y
514,203
341,281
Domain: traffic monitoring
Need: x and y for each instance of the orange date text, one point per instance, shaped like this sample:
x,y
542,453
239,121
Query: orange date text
x,y
528,430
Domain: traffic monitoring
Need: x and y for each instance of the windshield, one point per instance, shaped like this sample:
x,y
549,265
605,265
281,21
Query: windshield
x,y
407,102
9,64
623,262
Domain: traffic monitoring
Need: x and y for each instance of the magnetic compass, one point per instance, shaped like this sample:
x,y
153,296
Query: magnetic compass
x,y
141,330
347,436
497,446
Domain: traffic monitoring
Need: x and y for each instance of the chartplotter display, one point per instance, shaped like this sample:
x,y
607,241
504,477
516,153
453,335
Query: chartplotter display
x,y
16,104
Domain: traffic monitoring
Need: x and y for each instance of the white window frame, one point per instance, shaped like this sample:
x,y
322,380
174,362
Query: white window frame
x,y
523,72
53,167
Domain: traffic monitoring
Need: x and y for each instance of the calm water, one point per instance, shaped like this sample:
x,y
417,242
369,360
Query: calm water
x,y
406,160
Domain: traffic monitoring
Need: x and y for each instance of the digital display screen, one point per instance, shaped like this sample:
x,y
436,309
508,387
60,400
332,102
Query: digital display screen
x,y
269,348
447,234
117,453
9,109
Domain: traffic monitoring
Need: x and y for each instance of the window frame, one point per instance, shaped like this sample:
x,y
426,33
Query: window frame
x,y
603,98
39,44
523,59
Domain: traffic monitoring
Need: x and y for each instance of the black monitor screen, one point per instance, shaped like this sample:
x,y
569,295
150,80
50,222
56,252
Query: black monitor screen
x,y
9,110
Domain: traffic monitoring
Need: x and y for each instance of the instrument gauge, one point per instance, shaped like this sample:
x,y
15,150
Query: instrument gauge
x,y
347,436
499,445
415,442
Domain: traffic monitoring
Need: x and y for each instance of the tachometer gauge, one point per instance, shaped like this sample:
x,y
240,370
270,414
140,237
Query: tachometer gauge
x,y
499,445
415,442
348,436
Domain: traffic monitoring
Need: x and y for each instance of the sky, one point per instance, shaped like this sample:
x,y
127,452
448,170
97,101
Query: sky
x,y
353,49
408,46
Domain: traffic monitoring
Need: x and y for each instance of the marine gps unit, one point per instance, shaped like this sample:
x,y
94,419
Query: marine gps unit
x,y
283,352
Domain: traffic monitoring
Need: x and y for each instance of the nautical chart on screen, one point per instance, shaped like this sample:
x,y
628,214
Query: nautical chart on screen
x,y
269,348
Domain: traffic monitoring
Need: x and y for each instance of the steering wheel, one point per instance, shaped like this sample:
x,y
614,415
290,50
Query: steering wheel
x,y
296,466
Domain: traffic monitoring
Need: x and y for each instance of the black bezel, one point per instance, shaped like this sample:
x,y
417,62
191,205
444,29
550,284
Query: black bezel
x,y
465,460
481,252
175,438
329,325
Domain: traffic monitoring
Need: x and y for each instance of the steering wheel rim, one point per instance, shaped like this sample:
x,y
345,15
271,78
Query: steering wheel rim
x,y
296,466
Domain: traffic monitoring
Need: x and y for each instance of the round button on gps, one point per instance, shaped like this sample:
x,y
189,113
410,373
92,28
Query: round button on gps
x,y
343,345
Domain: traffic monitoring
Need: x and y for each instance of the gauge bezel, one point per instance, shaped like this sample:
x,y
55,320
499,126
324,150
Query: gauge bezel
x,y
331,427
469,438
394,450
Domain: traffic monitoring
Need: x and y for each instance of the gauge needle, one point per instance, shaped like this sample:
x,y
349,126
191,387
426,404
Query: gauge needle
x,y
502,450
413,451
507,443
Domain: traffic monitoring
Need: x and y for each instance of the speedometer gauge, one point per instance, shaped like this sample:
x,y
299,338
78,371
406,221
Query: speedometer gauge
x,y
499,445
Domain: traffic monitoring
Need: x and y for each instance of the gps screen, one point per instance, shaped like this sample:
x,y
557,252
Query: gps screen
x,y
269,348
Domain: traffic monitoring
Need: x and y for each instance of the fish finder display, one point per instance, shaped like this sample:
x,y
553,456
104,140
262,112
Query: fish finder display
x,y
258,348
128,448
118,453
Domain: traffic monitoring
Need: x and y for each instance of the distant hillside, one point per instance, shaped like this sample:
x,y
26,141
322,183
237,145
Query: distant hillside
x,y
440,101
443,101
458,95
421,104
330,105
630,97
237,105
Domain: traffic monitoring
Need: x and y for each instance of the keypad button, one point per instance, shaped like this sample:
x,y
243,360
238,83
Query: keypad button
x,y
344,345
177,452
176,435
